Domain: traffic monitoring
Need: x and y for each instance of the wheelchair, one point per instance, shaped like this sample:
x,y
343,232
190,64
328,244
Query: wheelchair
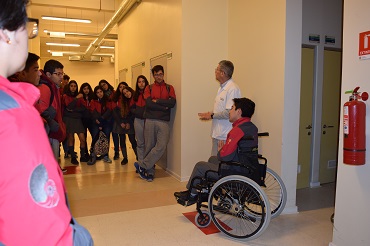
x,y
239,203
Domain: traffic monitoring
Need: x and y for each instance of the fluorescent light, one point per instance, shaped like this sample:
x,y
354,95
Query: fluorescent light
x,y
56,53
60,44
106,47
65,19
57,35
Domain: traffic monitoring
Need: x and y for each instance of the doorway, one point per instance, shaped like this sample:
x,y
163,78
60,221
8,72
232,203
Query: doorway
x,y
324,170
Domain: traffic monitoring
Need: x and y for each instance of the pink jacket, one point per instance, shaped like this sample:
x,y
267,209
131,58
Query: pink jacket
x,y
33,208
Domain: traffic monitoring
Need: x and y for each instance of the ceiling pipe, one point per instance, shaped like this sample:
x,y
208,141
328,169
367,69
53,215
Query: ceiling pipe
x,y
123,9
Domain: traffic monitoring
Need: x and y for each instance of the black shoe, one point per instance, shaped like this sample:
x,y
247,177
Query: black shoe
x,y
185,198
116,156
150,178
84,159
182,194
124,161
74,161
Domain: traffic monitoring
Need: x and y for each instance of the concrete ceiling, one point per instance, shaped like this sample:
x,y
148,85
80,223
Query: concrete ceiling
x,y
98,11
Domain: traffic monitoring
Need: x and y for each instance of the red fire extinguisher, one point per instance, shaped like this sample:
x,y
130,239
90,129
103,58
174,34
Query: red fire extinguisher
x,y
354,126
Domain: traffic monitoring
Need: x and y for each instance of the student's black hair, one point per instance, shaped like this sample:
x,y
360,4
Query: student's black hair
x,y
89,96
117,93
68,90
110,87
246,105
13,14
137,89
104,99
66,77
31,59
125,102
157,68
51,65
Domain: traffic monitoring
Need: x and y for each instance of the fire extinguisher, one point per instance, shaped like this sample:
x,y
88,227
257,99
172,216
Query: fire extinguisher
x,y
354,126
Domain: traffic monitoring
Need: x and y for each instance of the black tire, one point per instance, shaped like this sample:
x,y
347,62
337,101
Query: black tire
x,y
239,207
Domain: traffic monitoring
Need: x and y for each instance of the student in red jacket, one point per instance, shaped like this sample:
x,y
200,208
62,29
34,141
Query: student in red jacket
x,y
72,117
87,96
101,109
137,107
119,141
160,98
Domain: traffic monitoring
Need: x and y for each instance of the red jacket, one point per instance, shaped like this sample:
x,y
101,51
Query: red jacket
x,y
159,99
60,135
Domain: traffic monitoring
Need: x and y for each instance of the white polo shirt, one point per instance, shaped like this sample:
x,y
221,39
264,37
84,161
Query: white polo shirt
x,y
224,100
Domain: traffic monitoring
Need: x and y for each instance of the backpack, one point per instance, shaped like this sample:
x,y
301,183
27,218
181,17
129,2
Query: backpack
x,y
43,82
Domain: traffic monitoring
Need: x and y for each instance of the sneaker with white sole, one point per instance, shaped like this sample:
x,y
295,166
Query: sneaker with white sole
x,y
141,171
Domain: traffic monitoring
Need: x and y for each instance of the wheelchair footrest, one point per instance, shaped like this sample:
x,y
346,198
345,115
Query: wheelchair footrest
x,y
185,203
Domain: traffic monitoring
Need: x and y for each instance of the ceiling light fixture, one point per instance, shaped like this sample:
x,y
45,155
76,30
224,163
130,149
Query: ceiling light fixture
x,y
106,47
60,44
109,36
65,19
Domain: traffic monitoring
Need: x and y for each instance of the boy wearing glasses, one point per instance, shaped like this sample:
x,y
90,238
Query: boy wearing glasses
x,y
160,98
51,79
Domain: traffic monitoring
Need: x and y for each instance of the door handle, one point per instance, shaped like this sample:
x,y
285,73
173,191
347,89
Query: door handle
x,y
325,126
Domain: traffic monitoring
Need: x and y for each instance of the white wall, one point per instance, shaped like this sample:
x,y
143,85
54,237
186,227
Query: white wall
x,y
265,44
204,44
91,72
352,219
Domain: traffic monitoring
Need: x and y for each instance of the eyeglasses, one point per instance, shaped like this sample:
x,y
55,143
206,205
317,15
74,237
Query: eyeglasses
x,y
59,74
158,75
32,27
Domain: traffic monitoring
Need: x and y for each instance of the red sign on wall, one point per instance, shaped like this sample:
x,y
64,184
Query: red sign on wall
x,y
364,45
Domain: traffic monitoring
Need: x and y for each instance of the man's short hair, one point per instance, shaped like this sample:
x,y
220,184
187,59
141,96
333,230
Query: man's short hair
x,y
157,68
227,67
246,105
31,59
51,65
66,77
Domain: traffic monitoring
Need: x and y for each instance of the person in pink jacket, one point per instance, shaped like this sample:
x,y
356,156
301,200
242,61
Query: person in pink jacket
x,y
33,203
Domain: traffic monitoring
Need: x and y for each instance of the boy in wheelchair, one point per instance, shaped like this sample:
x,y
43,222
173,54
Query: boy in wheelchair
x,y
239,155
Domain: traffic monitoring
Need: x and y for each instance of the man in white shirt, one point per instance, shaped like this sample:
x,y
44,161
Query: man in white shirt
x,y
223,102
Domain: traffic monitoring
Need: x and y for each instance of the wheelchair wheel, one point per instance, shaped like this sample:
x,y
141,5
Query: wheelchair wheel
x,y
203,222
276,192
239,207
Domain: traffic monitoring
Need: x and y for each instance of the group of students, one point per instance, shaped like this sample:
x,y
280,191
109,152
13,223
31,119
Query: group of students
x,y
102,109
142,114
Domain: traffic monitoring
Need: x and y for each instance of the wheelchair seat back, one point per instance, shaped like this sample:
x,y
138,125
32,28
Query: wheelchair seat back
x,y
247,165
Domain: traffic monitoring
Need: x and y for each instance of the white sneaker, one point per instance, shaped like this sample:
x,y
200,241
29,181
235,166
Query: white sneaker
x,y
106,159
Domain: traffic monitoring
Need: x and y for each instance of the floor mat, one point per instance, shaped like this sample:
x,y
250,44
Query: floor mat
x,y
211,229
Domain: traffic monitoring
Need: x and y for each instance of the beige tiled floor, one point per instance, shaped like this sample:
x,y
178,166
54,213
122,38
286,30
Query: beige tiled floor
x,y
119,208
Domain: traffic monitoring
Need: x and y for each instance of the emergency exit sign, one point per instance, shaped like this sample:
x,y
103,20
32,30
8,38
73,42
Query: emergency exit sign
x,y
364,45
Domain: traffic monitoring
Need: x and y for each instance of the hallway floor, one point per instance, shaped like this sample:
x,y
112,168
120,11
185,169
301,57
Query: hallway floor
x,y
119,208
